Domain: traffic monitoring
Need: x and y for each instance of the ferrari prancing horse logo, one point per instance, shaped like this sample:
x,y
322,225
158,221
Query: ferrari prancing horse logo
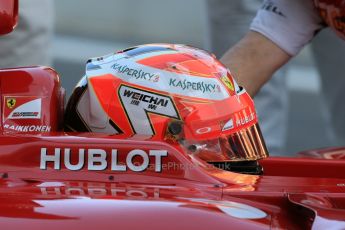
x,y
11,102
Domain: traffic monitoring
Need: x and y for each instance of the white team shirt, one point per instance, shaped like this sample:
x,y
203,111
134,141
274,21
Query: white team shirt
x,y
290,24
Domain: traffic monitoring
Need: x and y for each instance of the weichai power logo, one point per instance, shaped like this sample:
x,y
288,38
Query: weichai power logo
x,y
21,107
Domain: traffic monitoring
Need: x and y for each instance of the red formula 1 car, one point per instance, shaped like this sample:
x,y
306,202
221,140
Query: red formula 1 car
x,y
55,180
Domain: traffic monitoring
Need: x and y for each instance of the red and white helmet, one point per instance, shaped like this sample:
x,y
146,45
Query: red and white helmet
x,y
173,93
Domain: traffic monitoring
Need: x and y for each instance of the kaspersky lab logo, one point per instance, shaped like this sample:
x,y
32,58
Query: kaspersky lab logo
x,y
11,102
194,86
135,73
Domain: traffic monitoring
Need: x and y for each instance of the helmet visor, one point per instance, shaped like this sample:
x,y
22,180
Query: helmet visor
x,y
244,145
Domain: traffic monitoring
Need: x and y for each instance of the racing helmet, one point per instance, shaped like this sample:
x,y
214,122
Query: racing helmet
x,y
168,92
333,14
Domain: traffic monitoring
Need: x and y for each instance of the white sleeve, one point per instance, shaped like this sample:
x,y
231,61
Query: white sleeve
x,y
290,24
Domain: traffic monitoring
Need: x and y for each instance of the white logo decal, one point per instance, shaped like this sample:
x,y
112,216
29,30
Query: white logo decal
x,y
244,119
228,125
97,160
29,110
28,128
203,130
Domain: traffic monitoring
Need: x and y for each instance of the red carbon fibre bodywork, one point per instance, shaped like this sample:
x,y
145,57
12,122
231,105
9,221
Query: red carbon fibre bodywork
x,y
39,86
336,153
56,180
8,15
292,193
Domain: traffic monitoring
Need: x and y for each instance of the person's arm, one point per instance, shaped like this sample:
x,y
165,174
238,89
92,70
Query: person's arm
x,y
253,60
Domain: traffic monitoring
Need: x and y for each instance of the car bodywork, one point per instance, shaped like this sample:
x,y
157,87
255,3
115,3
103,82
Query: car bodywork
x,y
8,15
41,189
51,179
